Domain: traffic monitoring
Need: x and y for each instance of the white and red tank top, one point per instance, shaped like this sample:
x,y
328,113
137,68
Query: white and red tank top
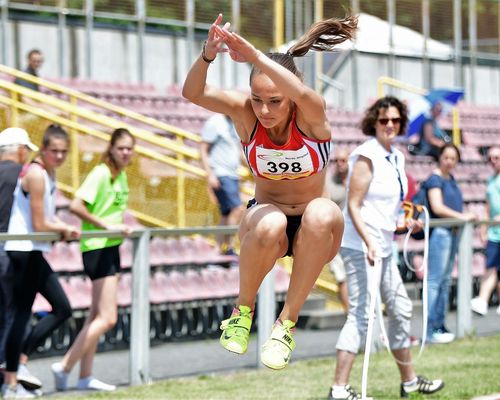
x,y
298,158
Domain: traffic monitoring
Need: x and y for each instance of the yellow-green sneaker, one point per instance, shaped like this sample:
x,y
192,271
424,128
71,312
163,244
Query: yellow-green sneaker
x,y
236,330
278,348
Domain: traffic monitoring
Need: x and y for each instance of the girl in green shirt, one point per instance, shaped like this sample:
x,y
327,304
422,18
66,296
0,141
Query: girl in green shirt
x,y
100,202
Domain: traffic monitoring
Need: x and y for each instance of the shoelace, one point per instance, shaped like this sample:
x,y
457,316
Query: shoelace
x,y
424,384
352,393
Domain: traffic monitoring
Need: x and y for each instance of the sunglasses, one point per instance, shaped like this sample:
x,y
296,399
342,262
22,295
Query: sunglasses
x,y
385,121
490,159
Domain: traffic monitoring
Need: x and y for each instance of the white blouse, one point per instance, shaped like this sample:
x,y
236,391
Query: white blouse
x,y
382,202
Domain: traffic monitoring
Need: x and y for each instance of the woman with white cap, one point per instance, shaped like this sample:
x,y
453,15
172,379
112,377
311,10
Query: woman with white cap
x,y
33,210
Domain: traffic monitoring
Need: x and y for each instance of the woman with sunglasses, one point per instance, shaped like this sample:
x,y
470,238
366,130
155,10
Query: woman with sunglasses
x,y
34,210
376,186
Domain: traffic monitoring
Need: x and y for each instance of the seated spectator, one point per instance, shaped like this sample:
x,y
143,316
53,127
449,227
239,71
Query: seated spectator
x,y
432,137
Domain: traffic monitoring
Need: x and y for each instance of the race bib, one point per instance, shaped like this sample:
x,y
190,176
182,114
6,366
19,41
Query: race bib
x,y
284,164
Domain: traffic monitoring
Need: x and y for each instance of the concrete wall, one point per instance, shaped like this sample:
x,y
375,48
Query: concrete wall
x,y
115,53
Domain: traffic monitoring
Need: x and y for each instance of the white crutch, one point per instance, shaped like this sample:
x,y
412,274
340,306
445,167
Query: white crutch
x,y
373,279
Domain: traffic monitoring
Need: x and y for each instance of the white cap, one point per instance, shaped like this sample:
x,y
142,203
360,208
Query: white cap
x,y
12,136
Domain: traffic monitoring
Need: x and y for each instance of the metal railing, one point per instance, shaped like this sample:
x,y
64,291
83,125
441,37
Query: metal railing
x,y
139,371
71,114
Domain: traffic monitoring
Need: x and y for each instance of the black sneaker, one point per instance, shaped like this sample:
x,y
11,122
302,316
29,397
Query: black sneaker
x,y
422,385
348,393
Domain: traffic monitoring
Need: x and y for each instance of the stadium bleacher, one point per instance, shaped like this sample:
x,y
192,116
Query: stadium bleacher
x,y
192,285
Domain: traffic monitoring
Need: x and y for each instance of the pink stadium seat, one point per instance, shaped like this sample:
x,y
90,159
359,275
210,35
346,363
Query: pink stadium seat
x,y
413,245
65,257
184,291
125,290
129,219
478,266
173,252
40,304
158,288
233,279
69,218
61,200
206,253
282,279
215,277
197,285
417,264
79,291
157,254
126,253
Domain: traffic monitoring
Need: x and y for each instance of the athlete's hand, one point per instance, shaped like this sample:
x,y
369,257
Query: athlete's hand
x,y
213,45
240,49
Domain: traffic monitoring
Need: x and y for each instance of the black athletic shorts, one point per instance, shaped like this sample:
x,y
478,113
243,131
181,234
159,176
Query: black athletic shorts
x,y
292,225
101,262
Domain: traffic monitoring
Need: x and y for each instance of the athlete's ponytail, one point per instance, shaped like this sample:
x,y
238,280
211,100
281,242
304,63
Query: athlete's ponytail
x,y
325,35
321,36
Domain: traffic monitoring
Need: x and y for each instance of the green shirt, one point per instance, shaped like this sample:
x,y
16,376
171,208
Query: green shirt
x,y
107,200
493,197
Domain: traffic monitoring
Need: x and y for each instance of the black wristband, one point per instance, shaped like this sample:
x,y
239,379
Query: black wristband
x,y
204,57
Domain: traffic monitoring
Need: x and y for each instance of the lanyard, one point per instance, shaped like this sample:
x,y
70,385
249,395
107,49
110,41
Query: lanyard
x,y
395,166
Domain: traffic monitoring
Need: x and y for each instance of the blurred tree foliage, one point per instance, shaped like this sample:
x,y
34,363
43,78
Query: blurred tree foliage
x,y
257,16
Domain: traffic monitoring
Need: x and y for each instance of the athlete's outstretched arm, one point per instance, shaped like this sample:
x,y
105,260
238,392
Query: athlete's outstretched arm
x,y
195,87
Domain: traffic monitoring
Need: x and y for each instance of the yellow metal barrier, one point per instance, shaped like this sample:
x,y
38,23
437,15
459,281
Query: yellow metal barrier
x,y
76,95
152,202
385,80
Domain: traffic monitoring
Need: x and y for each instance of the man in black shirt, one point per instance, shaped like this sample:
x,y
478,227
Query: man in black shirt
x,y
15,146
35,61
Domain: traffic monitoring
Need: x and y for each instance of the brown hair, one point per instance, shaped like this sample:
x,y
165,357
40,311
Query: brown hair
x,y
449,146
33,52
371,115
118,133
54,131
321,36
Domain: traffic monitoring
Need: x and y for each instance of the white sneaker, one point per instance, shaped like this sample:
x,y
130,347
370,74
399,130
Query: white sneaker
x,y
27,379
344,393
16,392
479,306
91,383
498,310
441,337
60,377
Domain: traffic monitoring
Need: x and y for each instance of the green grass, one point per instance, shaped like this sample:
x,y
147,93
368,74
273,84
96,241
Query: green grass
x,y
469,367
